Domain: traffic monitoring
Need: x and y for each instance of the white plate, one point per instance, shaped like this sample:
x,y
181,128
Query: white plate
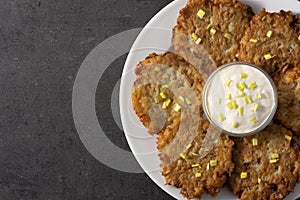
x,y
156,37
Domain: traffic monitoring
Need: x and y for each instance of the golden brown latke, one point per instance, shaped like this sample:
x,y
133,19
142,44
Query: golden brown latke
x,y
287,82
181,174
220,30
150,82
282,46
277,179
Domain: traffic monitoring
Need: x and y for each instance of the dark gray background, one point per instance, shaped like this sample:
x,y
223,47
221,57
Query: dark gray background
x,y
42,45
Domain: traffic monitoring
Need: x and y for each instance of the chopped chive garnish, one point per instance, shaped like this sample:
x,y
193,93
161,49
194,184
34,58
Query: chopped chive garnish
x,y
287,137
253,120
163,95
245,100
263,18
268,56
222,117
195,165
254,141
183,155
157,69
177,107
219,101
189,146
244,75
181,98
208,26
253,40
166,103
249,99
198,175
269,33
228,96
241,111
198,41
273,161
252,85
213,31
258,180
255,106
188,101
275,156
241,94
234,124
258,96
227,35
234,105
241,86
201,13
229,106
213,163
227,83
244,175
195,36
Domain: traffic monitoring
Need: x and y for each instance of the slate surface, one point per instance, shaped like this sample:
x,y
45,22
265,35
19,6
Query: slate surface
x,y
42,45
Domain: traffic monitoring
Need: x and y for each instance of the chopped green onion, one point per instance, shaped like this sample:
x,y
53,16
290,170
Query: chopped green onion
x,y
258,96
181,98
255,106
244,175
258,180
269,34
252,85
177,107
201,13
195,36
288,137
241,94
189,146
241,111
227,83
166,103
213,163
208,26
268,56
229,106
222,118
244,75
273,161
234,105
249,99
275,156
253,120
227,35
254,141
195,165
157,69
228,96
198,41
183,155
234,124
163,95
213,31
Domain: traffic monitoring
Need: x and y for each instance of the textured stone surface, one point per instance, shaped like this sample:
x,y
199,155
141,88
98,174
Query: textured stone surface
x,y
42,44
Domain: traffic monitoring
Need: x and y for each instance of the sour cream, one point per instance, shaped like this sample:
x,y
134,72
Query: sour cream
x,y
240,99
